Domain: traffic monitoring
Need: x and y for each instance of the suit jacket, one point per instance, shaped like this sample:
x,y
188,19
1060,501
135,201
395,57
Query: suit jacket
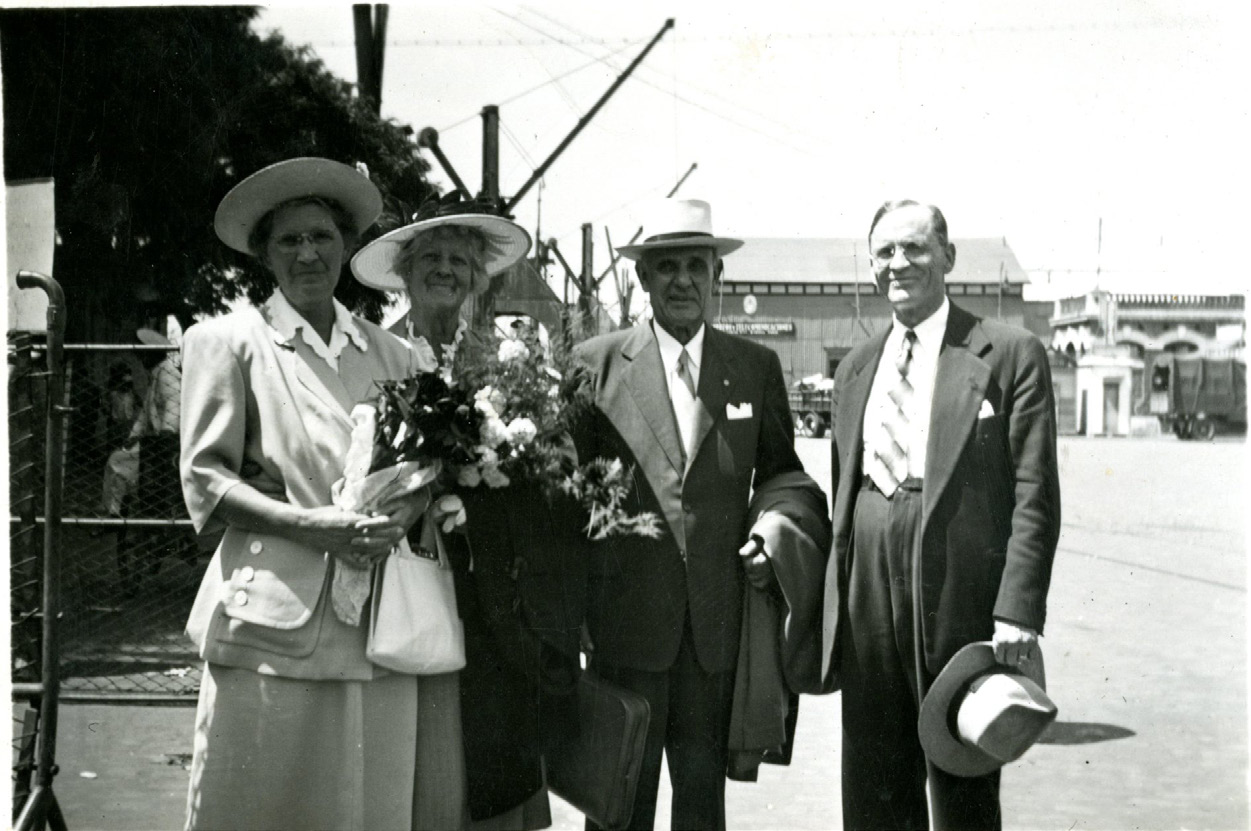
x,y
254,401
641,590
991,495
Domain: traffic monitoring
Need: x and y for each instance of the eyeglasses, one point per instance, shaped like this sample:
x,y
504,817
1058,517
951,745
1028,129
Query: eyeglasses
x,y
319,239
914,252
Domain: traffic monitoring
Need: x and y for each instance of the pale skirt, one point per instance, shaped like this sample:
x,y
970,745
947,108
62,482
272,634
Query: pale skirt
x,y
284,753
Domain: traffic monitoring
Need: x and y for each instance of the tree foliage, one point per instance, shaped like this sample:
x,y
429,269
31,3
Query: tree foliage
x,y
145,117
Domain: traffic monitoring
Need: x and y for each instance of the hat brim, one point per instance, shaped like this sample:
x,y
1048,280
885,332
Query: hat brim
x,y
267,188
721,245
941,744
507,243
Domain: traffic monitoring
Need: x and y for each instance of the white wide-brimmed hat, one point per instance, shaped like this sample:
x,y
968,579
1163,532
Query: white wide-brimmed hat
x,y
979,714
269,187
506,243
679,223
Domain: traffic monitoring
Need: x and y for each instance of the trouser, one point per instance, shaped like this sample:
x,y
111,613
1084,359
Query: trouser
x,y
690,723
884,767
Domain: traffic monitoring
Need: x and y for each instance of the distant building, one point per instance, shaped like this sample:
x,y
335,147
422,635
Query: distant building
x,y
812,300
1112,340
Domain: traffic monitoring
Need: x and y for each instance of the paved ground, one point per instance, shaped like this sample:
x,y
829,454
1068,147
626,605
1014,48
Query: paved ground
x,y
1146,657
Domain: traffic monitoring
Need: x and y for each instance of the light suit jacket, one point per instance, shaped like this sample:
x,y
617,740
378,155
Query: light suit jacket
x,y
991,494
640,590
258,406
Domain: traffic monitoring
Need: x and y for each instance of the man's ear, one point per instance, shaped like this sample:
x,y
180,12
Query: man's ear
x,y
717,271
951,257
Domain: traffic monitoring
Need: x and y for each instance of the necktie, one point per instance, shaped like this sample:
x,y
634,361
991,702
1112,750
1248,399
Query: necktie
x,y
684,405
684,372
889,457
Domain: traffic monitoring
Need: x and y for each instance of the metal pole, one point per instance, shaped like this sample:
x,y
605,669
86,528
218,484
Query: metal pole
x,y
586,282
584,120
42,804
491,152
429,139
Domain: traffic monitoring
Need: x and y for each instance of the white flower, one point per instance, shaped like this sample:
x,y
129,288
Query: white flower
x,y
449,512
494,477
494,432
513,350
487,456
468,476
521,431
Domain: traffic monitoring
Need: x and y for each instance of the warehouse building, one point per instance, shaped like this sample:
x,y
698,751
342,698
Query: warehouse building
x,y
812,300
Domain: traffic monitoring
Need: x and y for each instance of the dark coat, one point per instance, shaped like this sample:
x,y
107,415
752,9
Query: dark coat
x,y
991,500
640,590
521,606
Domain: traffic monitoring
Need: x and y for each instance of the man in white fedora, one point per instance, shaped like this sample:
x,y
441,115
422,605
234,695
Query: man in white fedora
x,y
702,418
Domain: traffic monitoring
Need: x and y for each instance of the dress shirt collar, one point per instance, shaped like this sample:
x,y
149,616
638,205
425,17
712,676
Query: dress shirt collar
x,y
670,349
286,321
929,332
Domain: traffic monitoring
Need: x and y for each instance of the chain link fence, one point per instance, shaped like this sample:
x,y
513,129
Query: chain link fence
x,y
131,564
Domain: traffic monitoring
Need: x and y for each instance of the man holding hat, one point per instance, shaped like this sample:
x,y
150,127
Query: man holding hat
x,y
701,417
946,518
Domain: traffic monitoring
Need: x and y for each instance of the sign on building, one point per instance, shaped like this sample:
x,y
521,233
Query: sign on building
x,y
759,328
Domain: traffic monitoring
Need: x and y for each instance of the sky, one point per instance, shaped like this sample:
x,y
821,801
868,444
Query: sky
x,y
1092,135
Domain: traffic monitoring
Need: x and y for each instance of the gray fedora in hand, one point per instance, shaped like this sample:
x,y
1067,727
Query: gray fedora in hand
x,y
979,714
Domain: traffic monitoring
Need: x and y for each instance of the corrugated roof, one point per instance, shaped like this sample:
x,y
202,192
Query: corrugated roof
x,y
844,260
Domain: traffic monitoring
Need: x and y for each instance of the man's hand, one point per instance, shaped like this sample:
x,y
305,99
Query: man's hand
x,y
1014,645
757,564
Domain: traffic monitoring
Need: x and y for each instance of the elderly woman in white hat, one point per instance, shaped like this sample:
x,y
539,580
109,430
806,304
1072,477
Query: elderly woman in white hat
x,y
295,727
520,624
450,252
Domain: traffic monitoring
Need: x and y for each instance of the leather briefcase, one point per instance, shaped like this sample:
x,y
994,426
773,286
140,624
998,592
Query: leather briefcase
x,y
598,772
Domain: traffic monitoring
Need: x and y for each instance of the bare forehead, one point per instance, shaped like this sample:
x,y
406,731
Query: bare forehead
x,y
910,222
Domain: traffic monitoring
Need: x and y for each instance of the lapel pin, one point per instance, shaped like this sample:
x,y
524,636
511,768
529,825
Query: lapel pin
x,y
725,382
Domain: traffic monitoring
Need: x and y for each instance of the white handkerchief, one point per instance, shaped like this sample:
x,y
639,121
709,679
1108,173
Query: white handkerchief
x,y
734,412
987,410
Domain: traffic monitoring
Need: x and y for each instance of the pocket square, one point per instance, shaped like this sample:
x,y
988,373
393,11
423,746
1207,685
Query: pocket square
x,y
987,410
736,411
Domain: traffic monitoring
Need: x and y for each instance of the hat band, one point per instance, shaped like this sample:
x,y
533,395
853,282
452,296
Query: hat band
x,y
676,235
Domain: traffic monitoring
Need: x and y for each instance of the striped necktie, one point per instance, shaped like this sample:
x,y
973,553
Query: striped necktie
x,y
888,458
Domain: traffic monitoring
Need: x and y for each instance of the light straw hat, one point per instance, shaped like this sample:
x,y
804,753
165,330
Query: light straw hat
x,y
506,242
679,223
269,187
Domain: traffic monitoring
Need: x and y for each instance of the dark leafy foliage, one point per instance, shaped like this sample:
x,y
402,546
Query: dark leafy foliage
x,y
422,419
145,117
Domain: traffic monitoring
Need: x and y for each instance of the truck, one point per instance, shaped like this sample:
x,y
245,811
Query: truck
x,y
810,405
1198,396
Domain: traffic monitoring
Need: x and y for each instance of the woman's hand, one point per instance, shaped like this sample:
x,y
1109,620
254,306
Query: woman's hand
x,y
357,539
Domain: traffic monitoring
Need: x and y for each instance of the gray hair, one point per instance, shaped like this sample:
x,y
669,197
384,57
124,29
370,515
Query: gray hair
x,y
940,221
473,240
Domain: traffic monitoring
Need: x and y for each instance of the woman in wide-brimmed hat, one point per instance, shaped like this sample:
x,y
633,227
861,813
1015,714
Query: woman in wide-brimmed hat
x,y
520,603
295,727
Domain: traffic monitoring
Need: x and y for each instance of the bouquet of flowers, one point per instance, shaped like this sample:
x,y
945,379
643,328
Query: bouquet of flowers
x,y
399,445
527,401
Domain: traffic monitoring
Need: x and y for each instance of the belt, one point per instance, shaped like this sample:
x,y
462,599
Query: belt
x,y
912,483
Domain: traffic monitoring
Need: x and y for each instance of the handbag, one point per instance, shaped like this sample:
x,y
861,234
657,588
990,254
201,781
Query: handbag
x,y
598,772
414,626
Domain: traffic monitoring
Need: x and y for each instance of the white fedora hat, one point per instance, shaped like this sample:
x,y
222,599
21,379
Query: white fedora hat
x,y
679,223
269,187
506,242
979,714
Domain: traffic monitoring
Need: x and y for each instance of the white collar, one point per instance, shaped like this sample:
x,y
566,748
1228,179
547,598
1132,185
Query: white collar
x,y
930,331
670,349
287,322
426,361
